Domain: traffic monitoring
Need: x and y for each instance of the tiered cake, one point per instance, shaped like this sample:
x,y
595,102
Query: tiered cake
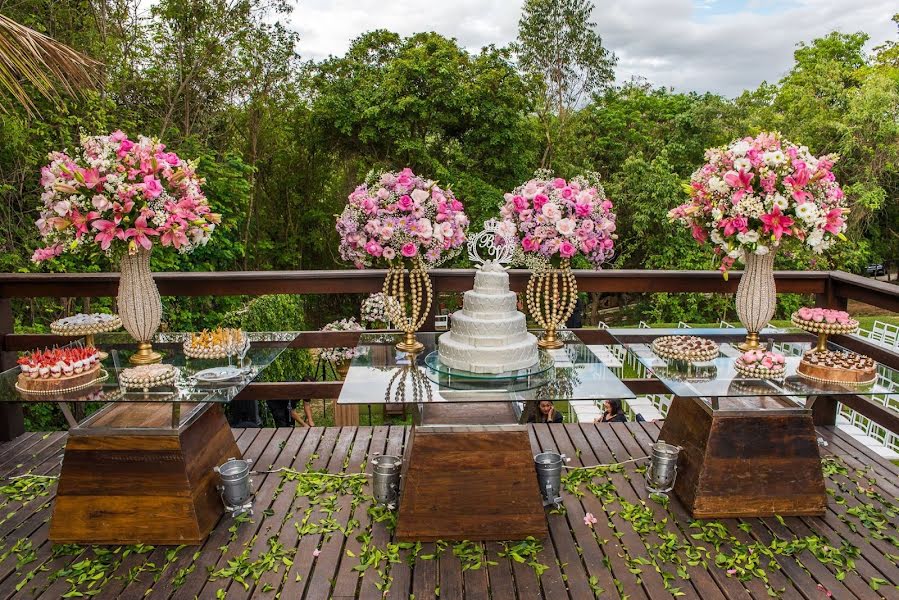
x,y
489,334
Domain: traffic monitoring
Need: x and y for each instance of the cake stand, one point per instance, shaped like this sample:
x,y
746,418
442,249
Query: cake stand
x,y
824,329
88,326
518,380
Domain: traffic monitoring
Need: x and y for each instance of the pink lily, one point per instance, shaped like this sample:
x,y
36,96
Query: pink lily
x,y
797,181
82,222
698,233
777,223
742,181
140,231
834,221
108,232
174,236
91,178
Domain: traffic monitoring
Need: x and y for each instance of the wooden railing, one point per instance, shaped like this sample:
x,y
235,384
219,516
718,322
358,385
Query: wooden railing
x,y
830,289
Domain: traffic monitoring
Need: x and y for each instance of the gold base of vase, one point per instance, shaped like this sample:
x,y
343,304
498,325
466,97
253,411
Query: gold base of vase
x,y
751,342
410,344
145,355
549,341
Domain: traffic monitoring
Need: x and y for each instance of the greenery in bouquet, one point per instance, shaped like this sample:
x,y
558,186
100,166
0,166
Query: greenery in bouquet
x,y
338,355
399,215
120,195
552,219
755,194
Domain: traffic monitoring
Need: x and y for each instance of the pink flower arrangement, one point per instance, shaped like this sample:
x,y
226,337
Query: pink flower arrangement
x,y
756,193
395,216
121,194
556,219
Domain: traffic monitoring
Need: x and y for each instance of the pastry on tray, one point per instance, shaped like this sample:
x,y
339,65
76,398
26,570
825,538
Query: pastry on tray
x,y
824,320
148,376
86,324
685,347
761,364
218,343
50,370
838,366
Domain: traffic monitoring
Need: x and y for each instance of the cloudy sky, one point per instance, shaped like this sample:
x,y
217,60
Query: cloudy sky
x,y
722,46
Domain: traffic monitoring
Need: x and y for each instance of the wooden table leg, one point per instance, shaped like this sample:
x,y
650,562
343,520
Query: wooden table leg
x,y
128,478
753,464
470,483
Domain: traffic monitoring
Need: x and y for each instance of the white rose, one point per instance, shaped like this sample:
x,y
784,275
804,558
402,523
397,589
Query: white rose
x,y
420,195
565,226
742,164
761,250
740,148
506,230
551,211
748,237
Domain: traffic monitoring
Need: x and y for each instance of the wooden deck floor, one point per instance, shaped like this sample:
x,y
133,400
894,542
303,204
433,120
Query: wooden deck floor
x,y
308,542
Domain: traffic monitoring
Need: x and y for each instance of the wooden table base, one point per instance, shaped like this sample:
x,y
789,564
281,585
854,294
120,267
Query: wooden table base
x,y
473,483
751,464
126,479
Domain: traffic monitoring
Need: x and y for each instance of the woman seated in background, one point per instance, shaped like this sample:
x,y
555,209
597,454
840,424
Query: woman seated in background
x,y
546,413
612,412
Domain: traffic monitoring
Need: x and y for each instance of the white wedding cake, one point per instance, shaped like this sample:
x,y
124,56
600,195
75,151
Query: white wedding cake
x,y
489,334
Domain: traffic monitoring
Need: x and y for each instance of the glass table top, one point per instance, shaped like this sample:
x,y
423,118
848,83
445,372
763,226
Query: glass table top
x,y
717,379
264,348
381,374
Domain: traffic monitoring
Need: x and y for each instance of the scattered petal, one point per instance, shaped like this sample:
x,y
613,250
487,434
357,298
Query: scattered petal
x,y
731,571
589,520
824,590
316,552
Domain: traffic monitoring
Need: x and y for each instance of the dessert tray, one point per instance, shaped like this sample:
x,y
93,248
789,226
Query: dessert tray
x,y
59,370
219,374
86,324
761,364
148,376
823,320
218,343
841,367
685,347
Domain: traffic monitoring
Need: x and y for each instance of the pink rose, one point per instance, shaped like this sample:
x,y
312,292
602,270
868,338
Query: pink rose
x,y
374,248
559,183
152,187
388,253
409,250
520,203
529,244
567,249
539,201
405,203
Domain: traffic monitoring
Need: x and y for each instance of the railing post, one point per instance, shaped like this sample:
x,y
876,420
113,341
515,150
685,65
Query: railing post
x,y
12,420
824,411
828,299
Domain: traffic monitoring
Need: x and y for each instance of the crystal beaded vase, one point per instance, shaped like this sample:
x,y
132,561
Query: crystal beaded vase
x,y
756,296
551,297
140,306
413,294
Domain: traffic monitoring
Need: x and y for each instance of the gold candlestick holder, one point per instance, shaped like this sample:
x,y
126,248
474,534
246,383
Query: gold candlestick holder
x,y
551,297
411,289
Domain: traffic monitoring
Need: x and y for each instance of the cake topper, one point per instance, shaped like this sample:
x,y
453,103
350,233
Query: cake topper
x,y
486,241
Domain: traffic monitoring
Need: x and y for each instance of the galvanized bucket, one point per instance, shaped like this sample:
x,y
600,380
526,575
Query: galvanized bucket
x,y
549,476
386,479
236,487
662,469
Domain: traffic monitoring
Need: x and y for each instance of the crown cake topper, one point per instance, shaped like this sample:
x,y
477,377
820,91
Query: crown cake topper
x,y
485,241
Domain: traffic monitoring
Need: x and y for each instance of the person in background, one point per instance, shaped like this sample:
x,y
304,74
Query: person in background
x,y
576,320
546,413
612,412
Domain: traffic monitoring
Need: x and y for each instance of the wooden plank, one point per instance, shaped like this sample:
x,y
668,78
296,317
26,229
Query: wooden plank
x,y
499,575
560,529
424,576
347,579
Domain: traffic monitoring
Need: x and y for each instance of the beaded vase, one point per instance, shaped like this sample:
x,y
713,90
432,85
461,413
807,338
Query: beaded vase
x,y
140,306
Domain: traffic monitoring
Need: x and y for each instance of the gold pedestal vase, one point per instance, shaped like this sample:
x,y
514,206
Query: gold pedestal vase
x,y
140,306
756,297
413,294
551,297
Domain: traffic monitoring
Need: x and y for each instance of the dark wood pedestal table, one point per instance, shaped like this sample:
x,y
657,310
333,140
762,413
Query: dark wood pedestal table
x,y
468,469
749,446
140,470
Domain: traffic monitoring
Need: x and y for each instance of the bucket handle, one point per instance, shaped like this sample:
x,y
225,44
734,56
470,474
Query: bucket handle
x,y
218,470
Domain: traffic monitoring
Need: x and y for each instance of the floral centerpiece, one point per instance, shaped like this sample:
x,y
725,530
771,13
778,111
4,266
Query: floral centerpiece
x,y
554,220
341,357
124,197
399,219
752,197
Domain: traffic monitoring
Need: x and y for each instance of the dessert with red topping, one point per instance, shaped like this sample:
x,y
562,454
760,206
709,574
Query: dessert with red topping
x,y
761,364
58,368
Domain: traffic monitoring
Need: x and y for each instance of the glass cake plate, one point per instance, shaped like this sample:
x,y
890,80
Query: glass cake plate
x,y
544,363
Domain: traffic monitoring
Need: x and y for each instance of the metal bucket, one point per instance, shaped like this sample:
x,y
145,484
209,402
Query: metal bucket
x,y
386,479
549,476
236,486
662,469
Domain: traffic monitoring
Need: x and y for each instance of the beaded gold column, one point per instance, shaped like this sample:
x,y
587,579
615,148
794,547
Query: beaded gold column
x,y
413,294
139,305
551,296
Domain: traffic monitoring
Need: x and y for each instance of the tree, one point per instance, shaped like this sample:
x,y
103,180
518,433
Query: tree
x,y
559,48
